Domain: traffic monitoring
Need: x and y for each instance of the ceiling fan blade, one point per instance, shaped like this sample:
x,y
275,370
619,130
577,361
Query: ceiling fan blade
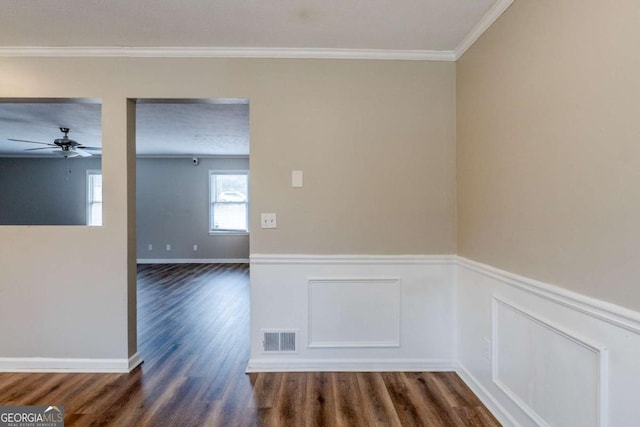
x,y
39,148
30,142
81,152
84,147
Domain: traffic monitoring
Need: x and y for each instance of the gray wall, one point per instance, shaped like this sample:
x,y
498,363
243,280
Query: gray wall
x,y
172,202
173,208
37,191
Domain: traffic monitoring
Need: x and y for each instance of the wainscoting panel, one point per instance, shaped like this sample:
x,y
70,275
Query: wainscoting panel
x,y
539,355
355,313
540,366
351,312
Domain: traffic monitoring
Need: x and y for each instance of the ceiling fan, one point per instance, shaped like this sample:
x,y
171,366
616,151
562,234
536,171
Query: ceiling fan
x,y
67,146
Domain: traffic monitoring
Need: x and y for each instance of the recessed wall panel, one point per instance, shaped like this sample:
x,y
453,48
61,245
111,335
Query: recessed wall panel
x,y
354,312
556,377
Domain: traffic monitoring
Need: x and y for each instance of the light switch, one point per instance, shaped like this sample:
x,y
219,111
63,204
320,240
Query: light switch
x,y
268,220
296,179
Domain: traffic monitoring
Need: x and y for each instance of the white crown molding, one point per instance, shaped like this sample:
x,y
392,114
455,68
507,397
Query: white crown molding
x,y
483,25
223,52
351,259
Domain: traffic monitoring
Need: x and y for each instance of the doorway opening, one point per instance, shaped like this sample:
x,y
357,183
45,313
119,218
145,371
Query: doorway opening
x,y
192,224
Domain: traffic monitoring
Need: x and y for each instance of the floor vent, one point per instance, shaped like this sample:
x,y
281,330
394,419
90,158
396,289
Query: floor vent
x,y
279,341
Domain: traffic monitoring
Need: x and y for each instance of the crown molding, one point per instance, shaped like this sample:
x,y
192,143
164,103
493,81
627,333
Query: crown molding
x,y
265,53
483,25
209,52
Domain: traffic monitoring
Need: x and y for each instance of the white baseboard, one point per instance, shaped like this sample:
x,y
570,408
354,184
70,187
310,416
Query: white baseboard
x,y
349,365
352,259
486,398
46,364
193,261
135,361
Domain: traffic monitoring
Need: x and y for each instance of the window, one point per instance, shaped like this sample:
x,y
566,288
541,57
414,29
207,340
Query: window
x,y
94,197
229,201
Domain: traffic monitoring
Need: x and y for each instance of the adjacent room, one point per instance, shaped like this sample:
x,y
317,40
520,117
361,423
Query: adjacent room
x,y
50,162
192,185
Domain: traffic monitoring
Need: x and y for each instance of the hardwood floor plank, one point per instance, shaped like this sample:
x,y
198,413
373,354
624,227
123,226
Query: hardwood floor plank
x,y
377,405
426,394
408,413
193,331
453,389
348,399
266,388
290,399
476,416
320,400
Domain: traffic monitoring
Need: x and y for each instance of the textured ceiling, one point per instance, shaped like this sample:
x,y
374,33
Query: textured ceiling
x,y
329,24
219,128
175,129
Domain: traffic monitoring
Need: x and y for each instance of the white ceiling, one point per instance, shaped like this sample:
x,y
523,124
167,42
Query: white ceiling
x,y
399,25
204,128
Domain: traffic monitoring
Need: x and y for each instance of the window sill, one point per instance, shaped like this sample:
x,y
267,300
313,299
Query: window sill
x,y
230,233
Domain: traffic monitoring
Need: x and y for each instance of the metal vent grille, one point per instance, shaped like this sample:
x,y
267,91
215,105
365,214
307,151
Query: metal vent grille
x,y
278,342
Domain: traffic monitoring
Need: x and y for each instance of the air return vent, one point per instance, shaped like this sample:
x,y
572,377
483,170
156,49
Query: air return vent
x,y
279,341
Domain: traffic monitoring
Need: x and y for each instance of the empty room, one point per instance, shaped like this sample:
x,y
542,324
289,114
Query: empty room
x,y
437,224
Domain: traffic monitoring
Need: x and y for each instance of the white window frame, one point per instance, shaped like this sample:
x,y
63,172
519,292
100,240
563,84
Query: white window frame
x,y
89,202
227,172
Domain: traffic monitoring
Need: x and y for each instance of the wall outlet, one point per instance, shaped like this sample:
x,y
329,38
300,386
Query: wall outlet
x,y
168,247
268,220
149,247
195,248
486,349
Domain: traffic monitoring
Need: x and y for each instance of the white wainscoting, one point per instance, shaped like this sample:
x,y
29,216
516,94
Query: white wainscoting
x,y
566,380
539,355
535,354
396,312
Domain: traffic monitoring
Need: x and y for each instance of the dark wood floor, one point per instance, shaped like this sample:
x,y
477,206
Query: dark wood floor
x,y
193,335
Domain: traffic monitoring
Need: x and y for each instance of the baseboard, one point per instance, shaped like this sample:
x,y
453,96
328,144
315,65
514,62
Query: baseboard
x,y
352,259
135,361
486,398
46,364
193,261
349,365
